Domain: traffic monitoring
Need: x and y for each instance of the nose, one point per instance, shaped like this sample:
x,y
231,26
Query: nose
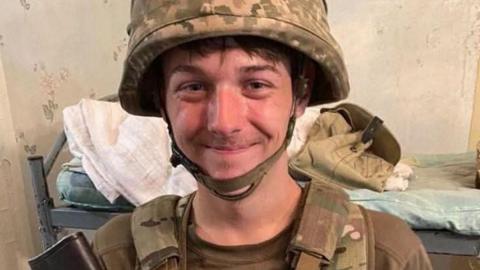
x,y
226,112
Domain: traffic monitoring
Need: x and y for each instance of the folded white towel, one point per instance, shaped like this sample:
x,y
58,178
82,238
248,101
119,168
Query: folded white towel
x,y
122,153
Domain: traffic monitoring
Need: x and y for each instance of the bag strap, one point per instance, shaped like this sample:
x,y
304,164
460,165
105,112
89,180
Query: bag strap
x,y
331,233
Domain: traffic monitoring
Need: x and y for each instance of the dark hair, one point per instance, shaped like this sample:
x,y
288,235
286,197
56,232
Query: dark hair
x,y
254,46
152,83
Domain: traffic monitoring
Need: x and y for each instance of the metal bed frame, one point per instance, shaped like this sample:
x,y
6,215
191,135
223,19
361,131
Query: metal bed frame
x,y
52,219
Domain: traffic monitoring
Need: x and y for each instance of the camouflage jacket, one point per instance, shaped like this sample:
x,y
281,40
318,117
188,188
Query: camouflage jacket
x,y
331,233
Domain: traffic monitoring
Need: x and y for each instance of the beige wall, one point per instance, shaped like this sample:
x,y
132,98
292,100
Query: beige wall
x,y
15,231
52,53
412,62
475,129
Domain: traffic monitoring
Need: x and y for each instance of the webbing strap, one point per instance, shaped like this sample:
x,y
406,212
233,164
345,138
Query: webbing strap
x,y
159,231
332,233
308,262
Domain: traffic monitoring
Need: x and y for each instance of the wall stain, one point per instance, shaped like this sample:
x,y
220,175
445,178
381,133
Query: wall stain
x,y
472,46
380,30
419,62
119,49
433,38
452,2
50,82
472,42
1,41
5,182
30,149
25,4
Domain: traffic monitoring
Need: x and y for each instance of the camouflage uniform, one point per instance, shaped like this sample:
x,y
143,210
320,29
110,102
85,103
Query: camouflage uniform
x,y
336,233
330,232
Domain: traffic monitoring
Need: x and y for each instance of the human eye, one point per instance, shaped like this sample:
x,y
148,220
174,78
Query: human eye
x,y
192,87
256,85
190,90
258,88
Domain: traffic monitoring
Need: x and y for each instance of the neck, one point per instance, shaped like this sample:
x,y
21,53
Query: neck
x,y
254,219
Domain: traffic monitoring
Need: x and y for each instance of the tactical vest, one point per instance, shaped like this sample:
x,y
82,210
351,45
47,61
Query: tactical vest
x,y
327,218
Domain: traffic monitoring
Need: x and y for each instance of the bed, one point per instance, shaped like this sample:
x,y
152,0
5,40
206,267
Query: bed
x,y
52,218
441,204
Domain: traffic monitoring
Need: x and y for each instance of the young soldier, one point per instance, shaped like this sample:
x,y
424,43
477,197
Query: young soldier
x,y
230,77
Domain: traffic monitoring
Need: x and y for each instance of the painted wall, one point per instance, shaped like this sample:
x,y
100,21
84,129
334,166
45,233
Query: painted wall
x,y
53,53
412,62
475,127
14,225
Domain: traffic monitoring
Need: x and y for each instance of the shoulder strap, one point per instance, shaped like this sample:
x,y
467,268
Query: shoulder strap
x,y
331,233
158,234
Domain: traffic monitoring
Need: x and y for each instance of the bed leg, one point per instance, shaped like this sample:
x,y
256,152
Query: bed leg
x,y
43,202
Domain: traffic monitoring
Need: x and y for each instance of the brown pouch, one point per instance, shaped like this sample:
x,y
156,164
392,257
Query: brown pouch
x,y
71,252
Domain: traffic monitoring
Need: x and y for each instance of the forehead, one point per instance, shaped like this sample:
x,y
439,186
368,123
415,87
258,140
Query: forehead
x,y
216,59
246,47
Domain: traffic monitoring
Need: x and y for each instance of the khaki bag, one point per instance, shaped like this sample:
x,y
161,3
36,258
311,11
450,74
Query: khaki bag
x,y
327,216
350,147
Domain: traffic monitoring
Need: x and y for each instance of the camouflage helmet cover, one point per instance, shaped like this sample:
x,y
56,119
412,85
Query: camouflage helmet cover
x,y
159,25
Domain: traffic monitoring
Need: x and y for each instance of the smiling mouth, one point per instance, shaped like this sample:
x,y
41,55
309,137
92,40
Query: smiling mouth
x,y
229,149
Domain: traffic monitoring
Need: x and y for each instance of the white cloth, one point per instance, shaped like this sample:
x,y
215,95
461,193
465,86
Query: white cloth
x,y
302,127
398,181
123,154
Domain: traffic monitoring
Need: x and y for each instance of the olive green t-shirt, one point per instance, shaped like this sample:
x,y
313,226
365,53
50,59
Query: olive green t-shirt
x,y
263,256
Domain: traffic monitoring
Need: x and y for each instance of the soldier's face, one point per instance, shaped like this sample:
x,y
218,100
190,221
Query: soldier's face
x,y
229,110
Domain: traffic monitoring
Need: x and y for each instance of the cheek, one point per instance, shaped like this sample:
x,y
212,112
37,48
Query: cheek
x,y
186,121
271,118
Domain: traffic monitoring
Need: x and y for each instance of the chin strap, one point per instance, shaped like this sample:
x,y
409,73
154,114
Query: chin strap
x,y
221,187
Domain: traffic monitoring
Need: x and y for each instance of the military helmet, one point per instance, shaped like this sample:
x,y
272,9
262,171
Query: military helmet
x,y
159,25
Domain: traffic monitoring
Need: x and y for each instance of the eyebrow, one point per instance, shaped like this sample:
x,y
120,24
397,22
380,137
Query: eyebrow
x,y
187,69
246,69
256,68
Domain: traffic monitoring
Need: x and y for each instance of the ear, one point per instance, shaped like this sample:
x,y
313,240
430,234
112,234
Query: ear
x,y
302,101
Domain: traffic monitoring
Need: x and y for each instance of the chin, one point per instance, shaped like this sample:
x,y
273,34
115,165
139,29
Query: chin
x,y
222,175
228,171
